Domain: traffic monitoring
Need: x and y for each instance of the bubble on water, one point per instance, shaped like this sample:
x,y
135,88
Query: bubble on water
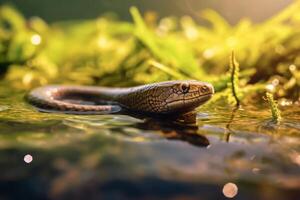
x,y
28,158
230,190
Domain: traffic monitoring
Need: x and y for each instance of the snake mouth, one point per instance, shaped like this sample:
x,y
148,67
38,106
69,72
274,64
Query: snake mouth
x,y
199,99
187,104
205,97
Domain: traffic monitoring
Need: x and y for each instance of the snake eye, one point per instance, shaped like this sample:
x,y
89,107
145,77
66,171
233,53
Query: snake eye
x,y
204,89
185,87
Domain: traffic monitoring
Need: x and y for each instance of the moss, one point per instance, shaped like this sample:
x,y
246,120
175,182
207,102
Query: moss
x,y
107,51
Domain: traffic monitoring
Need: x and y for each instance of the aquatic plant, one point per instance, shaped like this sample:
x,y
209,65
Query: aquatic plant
x,y
276,115
234,77
34,53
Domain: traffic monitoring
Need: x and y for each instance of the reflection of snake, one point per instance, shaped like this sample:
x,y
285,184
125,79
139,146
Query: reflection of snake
x,y
158,98
174,130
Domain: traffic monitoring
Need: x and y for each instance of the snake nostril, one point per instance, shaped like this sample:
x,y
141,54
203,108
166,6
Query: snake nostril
x,y
204,89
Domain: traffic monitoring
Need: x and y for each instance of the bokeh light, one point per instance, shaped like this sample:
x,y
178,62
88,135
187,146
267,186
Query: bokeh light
x,y
28,158
230,190
36,39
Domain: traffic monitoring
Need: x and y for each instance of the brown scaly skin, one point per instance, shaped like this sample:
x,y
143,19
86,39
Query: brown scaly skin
x,y
170,97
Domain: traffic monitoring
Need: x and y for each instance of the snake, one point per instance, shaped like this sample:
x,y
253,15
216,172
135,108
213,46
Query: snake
x,y
168,97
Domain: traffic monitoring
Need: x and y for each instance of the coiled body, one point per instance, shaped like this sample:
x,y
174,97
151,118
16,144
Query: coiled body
x,y
157,98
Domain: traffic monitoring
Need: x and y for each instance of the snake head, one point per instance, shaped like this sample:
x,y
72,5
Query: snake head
x,y
168,97
185,96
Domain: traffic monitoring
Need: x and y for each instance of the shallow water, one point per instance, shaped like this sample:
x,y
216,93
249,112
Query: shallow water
x,y
119,156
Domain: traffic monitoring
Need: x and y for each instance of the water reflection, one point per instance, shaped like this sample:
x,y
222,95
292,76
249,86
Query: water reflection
x,y
142,157
173,127
175,131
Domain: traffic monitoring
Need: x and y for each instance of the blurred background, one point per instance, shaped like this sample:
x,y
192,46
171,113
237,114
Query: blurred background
x,y
232,10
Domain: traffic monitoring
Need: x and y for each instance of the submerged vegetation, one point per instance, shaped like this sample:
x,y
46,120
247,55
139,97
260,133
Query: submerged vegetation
x,y
107,51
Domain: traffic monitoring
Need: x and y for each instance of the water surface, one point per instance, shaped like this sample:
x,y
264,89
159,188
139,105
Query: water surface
x,y
120,156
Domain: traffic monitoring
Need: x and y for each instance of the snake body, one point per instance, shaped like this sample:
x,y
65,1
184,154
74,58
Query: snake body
x,y
158,98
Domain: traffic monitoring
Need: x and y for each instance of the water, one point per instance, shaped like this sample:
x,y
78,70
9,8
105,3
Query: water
x,y
120,156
